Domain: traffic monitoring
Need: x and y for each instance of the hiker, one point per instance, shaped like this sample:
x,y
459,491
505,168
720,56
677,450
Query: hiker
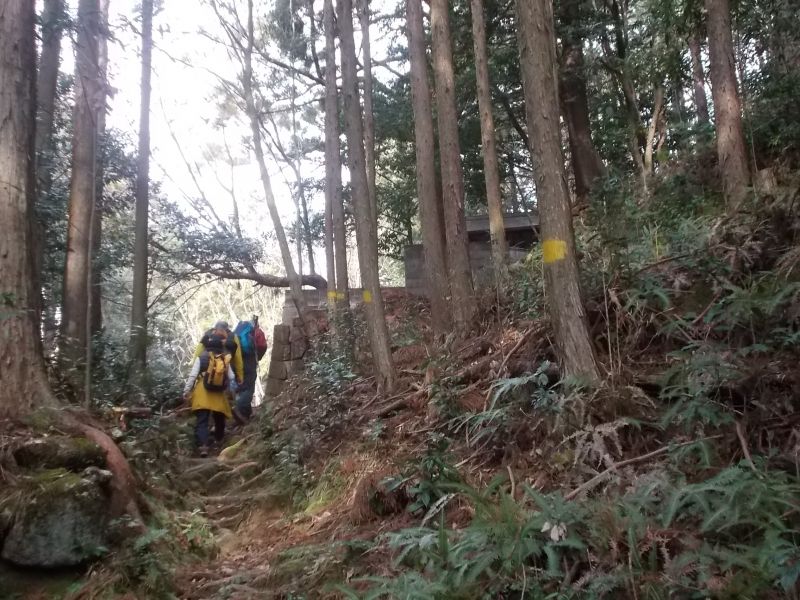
x,y
208,382
231,345
253,346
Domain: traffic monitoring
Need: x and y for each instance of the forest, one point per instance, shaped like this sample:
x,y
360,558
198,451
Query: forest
x,y
486,299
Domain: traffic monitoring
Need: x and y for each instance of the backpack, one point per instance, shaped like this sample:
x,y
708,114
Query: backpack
x,y
261,342
246,332
214,370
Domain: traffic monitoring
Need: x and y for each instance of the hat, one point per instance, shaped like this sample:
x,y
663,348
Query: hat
x,y
213,343
221,325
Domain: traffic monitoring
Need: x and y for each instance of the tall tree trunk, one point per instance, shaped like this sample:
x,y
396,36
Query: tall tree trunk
x,y
138,340
427,189
658,107
96,291
369,114
463,302
24,382
366,227
330,258
89,98
304,227
727,107
586,163
312,269
538,66
295,284
333,164
698,81
494,199
622,72
53,23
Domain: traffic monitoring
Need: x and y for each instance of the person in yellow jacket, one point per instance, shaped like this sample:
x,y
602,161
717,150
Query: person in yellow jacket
x,y
208,400
232,346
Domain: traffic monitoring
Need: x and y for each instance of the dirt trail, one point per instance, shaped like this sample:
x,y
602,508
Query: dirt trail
x,y
252,525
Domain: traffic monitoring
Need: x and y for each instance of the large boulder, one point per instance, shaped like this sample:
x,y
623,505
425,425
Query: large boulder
x,y
59,519
59,452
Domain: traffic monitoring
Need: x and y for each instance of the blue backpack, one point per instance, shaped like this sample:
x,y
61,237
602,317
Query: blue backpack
x,y
246,332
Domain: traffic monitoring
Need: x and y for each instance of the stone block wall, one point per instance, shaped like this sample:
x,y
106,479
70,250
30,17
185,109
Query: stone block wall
x,y
289,349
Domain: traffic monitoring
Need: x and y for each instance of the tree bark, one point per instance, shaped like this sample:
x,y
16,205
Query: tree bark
x,y
698,81
138,340
295,284
463,301
369,114
429,203
540,85
330,258
24,381
89,98
303,225
658,107
96,289
333,165
727,106
491,172
53,23
312,269
586,163
366,227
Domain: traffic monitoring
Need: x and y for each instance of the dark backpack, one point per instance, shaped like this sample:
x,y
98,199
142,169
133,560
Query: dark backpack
x,y
247,337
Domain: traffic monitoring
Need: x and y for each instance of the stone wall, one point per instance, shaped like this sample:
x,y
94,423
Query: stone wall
x,y
290,344
289,347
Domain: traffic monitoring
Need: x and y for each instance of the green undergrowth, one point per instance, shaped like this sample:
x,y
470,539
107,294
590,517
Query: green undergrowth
x,y
732,533
675,478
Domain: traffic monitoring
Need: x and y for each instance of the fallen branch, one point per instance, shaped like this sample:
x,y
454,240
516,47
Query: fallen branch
x,y
600,476
398,404
274,281
242,499
745,449
517,346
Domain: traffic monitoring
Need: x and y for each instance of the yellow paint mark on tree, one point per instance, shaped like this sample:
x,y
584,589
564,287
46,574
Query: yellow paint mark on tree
x,y
331,295
553,250
340,295
367,295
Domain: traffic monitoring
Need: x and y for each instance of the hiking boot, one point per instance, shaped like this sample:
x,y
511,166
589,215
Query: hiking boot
x,y
239,417
203,451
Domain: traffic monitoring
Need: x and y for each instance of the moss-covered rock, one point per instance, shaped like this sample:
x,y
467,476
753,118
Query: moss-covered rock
x,y
59,452
60,519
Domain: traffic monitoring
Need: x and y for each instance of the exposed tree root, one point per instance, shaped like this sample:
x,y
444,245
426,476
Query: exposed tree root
x,y
123,482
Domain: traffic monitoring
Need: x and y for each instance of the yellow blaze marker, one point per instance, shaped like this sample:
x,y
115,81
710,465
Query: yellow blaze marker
x,y
553,250
340,295
331,295
367,295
